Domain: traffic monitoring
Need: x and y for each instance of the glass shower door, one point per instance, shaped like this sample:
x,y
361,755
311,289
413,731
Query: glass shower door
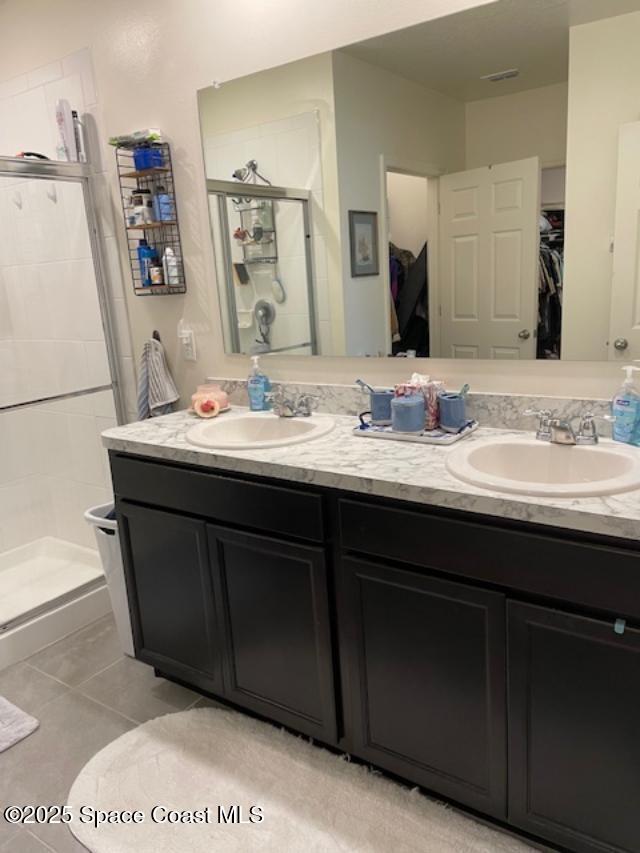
x,y
57,389
262,240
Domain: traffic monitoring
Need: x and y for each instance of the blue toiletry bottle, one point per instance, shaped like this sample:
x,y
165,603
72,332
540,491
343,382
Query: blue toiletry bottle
x,y
625,408
147,255
258,386
163,210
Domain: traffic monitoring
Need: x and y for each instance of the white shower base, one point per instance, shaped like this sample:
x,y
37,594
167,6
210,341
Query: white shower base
x,y
48,589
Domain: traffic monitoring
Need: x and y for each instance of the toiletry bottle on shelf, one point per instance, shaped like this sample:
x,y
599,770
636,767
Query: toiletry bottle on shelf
x,y
170,267
257,386
147,255
625,408
163,210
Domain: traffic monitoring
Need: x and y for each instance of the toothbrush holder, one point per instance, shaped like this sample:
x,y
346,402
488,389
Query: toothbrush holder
x,y
453,414
380,402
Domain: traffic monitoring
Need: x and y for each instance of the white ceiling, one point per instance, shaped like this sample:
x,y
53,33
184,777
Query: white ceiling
x,y
452,53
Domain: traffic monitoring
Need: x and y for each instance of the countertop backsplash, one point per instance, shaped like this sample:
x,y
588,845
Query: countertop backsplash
x,y
497,411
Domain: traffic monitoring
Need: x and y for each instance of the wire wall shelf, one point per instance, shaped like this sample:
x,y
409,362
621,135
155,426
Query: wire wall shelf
x,y
147,192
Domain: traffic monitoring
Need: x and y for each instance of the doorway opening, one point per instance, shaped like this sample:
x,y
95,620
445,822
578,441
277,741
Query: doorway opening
x,y
408,221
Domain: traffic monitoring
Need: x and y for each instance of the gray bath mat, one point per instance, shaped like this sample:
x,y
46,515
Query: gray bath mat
x,y
14,724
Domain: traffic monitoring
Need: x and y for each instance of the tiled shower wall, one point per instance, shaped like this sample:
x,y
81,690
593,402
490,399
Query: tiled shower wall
x,y
53,468
27,123
288,154
52,465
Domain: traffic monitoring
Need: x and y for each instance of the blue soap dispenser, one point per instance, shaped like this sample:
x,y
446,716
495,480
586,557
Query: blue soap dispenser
x,y
258,386
625,408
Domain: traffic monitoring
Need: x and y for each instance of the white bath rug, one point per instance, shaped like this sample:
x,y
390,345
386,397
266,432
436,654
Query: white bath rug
x,y
15,725
187,766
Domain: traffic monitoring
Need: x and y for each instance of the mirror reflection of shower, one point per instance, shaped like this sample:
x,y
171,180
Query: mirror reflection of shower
x,y
249,174
263,249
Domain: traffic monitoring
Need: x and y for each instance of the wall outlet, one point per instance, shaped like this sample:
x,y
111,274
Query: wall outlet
x,y
188,345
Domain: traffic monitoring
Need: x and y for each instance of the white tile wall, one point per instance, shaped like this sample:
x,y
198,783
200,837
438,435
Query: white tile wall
x,y
288,154
52,465
52,468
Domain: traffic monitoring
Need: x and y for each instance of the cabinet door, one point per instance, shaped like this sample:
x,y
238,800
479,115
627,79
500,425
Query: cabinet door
x,y
171,594
574,729
275,609
426,670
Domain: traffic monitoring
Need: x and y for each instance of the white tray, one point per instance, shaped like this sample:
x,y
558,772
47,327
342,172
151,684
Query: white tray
x,y
434,436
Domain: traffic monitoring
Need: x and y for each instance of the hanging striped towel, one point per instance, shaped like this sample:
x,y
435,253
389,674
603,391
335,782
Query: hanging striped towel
x,y
156,389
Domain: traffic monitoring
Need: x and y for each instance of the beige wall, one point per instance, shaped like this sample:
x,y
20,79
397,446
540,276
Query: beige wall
x,y
279,93
604,92
379,113
512,127
407,211
150,58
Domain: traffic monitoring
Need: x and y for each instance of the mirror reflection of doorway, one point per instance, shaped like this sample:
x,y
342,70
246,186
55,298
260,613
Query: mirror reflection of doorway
x,y
408,238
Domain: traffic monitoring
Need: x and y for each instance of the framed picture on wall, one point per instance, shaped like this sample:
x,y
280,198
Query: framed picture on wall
x,y
363,243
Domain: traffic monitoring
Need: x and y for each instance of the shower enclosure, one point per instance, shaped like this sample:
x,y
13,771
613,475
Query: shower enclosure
x,y
58,391
262,237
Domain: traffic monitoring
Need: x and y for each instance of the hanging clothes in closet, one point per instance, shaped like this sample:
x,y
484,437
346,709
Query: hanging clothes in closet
x,y
409,300
550,282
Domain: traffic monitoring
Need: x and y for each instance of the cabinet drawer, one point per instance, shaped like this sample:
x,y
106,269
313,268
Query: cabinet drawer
x,y
219,498
541,564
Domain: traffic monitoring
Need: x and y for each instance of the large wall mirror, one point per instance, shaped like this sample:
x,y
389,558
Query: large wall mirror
x,y
465,188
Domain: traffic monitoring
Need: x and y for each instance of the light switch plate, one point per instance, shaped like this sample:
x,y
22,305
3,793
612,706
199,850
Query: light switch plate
x,y
188,345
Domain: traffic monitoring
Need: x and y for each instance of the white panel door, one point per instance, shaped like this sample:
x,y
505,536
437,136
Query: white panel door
x,y
625,288
489,243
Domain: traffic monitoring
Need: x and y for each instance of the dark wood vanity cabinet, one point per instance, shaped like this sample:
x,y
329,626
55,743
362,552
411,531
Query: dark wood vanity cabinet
x,y
574,729
175,625
275,612
427,681
477,658
242,615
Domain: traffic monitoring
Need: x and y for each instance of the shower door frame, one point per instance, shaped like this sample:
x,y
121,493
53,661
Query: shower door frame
x,y
80,173
224,190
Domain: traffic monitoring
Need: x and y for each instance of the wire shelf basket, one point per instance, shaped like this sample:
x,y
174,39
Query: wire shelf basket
x,y
147,193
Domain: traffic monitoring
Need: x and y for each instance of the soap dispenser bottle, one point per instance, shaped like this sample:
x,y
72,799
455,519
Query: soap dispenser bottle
x,y
258,386
625,408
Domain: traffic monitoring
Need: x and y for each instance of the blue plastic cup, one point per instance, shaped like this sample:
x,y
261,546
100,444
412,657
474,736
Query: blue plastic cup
x,y
453,415
381,407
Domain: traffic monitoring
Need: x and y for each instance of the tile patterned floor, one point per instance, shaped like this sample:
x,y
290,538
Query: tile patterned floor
x,y
85,693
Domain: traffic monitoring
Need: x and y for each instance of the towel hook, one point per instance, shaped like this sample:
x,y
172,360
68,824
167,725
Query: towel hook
x,y
156,335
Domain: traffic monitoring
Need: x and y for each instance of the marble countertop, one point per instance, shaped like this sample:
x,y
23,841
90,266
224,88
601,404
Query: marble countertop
x,y
400,470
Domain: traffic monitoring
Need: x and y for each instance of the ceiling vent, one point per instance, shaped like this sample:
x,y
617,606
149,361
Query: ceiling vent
x,y
501,75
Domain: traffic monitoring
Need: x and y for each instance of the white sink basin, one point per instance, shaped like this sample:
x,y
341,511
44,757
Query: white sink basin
x,y
257,430
529,467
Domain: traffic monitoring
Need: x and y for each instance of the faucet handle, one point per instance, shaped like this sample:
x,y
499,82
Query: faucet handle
x,y
306,404
544,427
587,431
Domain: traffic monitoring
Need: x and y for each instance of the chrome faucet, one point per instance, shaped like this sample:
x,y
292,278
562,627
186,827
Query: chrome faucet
x,y
560,431
285,406
588,431
543,433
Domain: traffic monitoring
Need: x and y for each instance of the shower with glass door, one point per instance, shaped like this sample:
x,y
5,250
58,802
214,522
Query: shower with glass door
x,y
263,247
58,391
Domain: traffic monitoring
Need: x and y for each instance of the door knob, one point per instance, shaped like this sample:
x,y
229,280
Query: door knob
x,y
524,335
621,344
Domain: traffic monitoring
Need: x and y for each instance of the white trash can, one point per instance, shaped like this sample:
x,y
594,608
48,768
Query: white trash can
x,y
106,531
